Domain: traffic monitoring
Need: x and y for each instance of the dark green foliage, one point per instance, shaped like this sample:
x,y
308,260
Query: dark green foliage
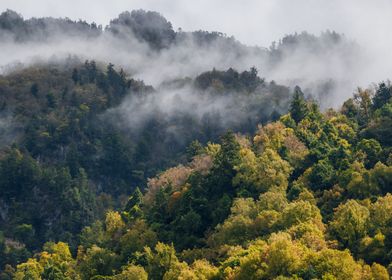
x,y
222,173
372,150
382,96
11,254
24,233
298,106
53,272
195,148
322,175
100,262
229,80
71,204
133,209
206,204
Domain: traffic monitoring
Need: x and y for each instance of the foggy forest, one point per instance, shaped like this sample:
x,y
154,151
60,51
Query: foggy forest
x,y
134,148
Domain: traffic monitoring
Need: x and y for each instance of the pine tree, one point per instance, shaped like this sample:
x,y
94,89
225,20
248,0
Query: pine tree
x,y
132,208
298,106
382,96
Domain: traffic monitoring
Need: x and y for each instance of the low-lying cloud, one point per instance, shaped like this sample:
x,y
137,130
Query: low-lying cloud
x,y
328,66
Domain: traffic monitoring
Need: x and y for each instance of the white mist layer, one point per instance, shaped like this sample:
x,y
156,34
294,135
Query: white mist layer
x,y
342,65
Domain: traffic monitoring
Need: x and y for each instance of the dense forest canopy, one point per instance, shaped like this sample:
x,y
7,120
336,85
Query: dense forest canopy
x,y
209,171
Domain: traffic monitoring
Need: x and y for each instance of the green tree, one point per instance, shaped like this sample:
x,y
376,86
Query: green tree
x,y
298,106
259,174
96,261
372,150
382,96
136,238
160,260
349,224
322,175
133,209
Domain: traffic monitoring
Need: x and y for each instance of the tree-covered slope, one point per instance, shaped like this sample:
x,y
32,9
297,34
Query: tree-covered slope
x,y
304,197
211,172
70,149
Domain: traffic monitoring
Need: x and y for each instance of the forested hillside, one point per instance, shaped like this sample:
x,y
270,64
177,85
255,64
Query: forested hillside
x,y
213,174
69,151
306,195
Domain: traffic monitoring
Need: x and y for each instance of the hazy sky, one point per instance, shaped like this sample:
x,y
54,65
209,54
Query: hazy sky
x,y
251,21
